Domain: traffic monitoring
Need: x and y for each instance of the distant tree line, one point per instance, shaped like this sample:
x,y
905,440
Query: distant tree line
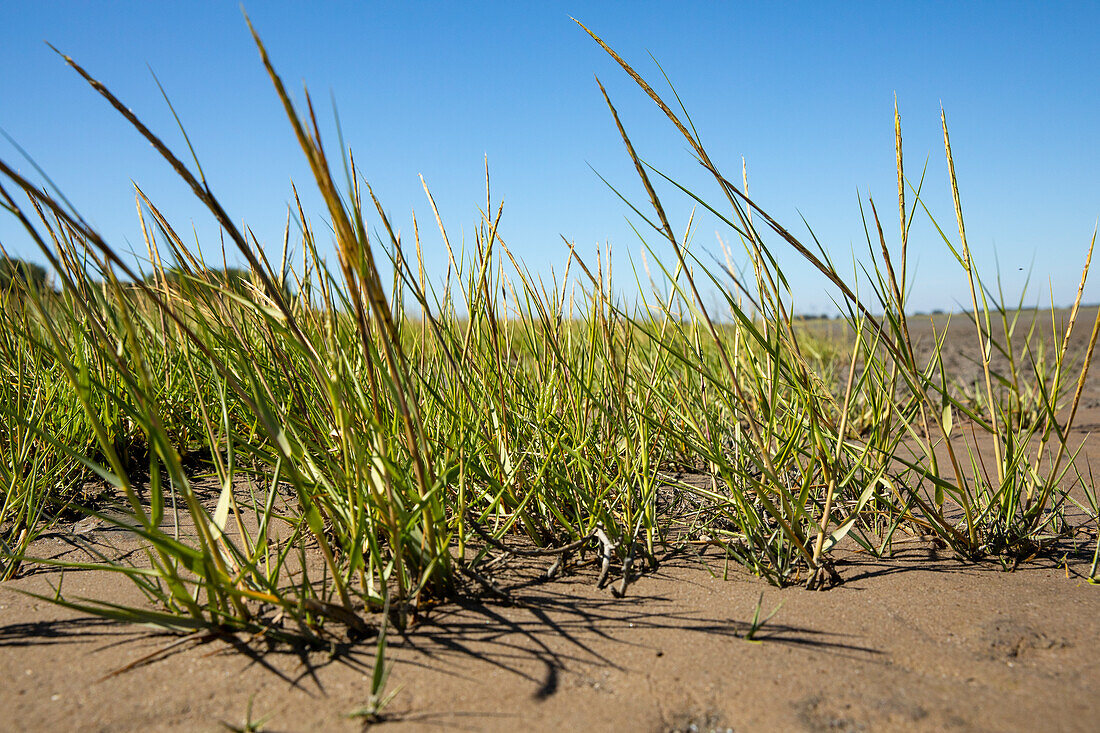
x,y
22,273
235,279
15,271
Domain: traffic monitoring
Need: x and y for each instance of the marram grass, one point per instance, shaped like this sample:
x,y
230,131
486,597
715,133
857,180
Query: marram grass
x,y
371,457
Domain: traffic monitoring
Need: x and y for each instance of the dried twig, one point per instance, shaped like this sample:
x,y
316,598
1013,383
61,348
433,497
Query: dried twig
x,y
627,563
606,548
200,637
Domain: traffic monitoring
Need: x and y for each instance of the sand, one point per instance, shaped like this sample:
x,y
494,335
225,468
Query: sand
x,y
922,641
912,643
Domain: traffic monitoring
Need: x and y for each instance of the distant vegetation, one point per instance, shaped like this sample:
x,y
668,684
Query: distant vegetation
x,y
22,273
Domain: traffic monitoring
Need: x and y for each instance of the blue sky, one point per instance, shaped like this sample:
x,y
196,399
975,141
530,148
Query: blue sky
x,y
804,91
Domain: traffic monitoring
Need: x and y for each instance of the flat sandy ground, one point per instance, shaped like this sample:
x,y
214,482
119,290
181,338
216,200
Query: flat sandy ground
x,y
922,641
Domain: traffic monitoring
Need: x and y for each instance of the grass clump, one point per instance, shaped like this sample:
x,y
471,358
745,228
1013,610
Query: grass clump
x,y
369,460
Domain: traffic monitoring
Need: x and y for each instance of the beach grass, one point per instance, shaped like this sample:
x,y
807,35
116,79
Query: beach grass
x,y
377,437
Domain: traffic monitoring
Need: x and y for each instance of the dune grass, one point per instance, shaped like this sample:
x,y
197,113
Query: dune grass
x,y
376,437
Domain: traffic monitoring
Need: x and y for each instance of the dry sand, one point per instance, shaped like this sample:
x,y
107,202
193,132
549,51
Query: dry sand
x,y
913,643
919,642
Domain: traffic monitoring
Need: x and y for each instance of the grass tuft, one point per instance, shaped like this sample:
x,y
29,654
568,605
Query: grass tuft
x,y
370,462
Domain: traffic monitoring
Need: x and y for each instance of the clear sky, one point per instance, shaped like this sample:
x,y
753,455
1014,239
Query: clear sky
x,y
804,91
